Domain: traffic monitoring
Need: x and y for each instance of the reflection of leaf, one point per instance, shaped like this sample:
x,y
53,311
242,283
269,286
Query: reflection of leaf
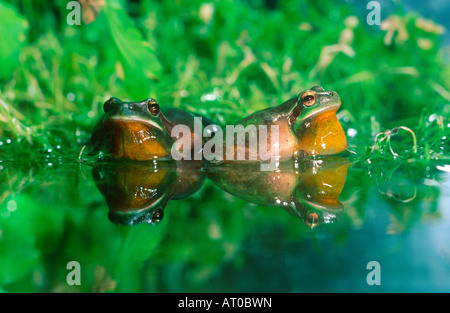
x,y
137,56
12,28
138,245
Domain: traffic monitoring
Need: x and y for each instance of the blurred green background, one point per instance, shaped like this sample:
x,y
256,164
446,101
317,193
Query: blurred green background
x,y
225,60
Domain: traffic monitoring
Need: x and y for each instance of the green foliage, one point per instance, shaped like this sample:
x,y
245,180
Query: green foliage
x,y
247,56
137,56
13,28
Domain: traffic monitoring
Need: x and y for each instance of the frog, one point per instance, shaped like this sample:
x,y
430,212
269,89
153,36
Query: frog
x,y
318,129
141,131
307,189
307,126
282,146
136,193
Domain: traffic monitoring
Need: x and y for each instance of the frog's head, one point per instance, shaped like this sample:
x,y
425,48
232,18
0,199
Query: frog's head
x,y
316,101
134,130
317,127
150,216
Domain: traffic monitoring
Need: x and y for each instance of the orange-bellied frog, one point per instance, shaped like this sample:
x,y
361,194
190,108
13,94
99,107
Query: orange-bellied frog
x,y
139,131
307,124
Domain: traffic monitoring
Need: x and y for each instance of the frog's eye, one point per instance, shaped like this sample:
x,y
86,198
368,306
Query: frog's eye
x,y
312,220
157,216
153,106
308,98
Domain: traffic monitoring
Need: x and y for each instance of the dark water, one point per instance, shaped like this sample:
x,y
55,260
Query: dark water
x,y
309,226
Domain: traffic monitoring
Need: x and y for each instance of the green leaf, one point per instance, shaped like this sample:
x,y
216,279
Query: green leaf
x,y
12,28
137,56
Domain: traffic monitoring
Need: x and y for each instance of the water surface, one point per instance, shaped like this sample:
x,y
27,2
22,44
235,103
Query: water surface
x,y
310,226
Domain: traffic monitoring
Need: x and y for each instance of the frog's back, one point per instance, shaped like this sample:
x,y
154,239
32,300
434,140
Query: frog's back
x,y
270,115
181,117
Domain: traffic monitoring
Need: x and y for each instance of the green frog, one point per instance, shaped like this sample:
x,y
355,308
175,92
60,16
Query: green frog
x,y
281,145
140,131
307,125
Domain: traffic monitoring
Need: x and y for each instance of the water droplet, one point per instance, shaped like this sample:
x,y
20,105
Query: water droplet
x,y
70,96
432,117
351,132
208,97
11,205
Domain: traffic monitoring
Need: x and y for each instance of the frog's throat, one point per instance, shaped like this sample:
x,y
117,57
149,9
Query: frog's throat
x,y
159,202
318,205
136,139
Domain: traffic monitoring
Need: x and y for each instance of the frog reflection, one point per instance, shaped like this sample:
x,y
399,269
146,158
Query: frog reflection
x,y
307,189
138,192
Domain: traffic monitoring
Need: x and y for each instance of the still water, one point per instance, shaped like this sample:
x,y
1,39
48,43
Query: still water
x,y
309,226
